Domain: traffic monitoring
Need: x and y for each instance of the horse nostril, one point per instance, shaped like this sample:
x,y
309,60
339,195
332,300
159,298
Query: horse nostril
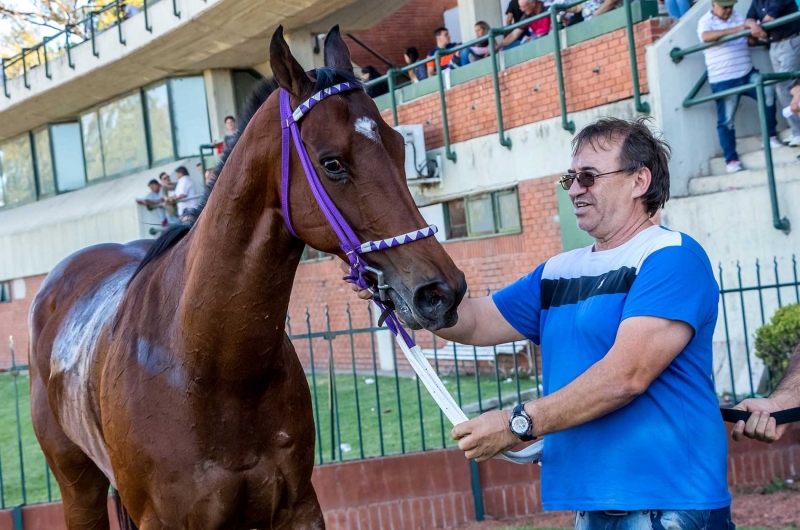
x,y
433,300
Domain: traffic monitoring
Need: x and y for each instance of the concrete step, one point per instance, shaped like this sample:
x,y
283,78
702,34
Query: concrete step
x,y
750,178
756,159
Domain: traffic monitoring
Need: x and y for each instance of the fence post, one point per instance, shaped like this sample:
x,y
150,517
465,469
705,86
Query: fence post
x,y
119,22
781,224
5,82
67,46
392,96
449,153
175,9
505,142
25,69
91,29
47,73
16,513
637,98
15,375
477,492
562,97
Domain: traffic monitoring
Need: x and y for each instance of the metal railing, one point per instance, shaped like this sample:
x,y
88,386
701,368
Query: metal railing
x,y
552,12
97,21
367,402
762,80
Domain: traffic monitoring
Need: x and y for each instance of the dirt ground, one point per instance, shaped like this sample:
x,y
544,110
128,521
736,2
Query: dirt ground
x,y
776,507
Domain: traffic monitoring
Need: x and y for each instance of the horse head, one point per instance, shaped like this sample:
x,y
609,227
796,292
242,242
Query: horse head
x,y
360,161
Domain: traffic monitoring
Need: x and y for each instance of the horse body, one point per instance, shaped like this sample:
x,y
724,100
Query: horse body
x,y
164,367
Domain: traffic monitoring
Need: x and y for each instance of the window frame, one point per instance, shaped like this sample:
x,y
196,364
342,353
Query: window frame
x,y
53,154
495,205
5,288
32,150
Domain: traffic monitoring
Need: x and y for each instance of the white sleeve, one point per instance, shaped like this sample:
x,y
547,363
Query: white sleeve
x,y
703,25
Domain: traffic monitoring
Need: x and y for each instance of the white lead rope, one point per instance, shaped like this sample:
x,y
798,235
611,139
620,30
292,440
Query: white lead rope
x,y
426,373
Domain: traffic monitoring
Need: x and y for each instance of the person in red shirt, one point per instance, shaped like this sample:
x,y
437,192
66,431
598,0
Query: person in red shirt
x,y
534,30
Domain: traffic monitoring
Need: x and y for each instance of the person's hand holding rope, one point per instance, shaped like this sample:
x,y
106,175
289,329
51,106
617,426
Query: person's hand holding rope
x,y
760,426
483,438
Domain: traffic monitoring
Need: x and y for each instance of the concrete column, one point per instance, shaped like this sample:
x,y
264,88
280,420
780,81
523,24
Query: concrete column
x,y
301,42
221,100
472,11
384,340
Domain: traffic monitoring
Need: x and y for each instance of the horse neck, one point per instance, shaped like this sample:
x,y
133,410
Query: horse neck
x,y
239,269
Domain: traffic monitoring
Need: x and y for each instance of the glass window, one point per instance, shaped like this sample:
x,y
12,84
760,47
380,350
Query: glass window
x,y
16,171
507,211
456,219
44,163
92,150
123,137
190,113
480,215
68,161
5,292
159,123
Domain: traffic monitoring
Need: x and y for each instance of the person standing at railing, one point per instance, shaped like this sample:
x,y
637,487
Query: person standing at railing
x,y
185,193
450,60
154,200
784,48
167,191
729,66
534,30
760,426
625,328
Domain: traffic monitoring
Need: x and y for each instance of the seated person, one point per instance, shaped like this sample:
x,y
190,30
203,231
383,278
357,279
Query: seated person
x,y
368,73
419,72
593,8
475,53
534,30
443,43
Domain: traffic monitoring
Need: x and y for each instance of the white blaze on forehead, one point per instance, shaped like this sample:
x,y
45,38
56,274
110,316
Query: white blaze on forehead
x,y
368,128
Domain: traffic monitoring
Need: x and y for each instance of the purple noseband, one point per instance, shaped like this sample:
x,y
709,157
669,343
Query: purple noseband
x,y
348,240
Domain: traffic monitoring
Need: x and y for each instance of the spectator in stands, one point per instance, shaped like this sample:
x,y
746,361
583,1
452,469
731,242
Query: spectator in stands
x,y
784,48
475,53
154,200
570,16
593,8
230,139
128,10
168,190
368,73
729,66
534,30
185,194
419,72
513,13
443,43
786,396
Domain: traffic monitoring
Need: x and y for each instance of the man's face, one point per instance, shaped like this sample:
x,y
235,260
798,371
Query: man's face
x,y
155,188
530,7
443,39
722,12
230,125
605,207
479,31
166,180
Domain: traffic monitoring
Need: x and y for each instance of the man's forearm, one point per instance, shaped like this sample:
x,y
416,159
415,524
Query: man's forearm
x,y
788,390
600,390
713,36
465,326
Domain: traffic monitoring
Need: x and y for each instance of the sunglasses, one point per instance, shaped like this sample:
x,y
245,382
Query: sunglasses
x,y
585,178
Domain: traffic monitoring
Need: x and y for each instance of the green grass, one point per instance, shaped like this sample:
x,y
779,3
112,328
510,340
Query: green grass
x,y
375,439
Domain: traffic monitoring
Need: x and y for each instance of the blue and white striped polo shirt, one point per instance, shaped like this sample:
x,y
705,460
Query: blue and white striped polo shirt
x,y
667,449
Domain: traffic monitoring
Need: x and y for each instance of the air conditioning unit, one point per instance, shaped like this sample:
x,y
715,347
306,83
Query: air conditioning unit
x,y
417,164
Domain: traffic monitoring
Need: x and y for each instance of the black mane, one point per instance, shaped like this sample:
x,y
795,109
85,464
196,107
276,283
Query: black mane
x,y
324,78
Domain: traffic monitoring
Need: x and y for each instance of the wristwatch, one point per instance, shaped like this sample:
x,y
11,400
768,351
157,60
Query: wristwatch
x,y
521,424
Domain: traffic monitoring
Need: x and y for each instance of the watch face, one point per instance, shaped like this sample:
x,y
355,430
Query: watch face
x,y
519,425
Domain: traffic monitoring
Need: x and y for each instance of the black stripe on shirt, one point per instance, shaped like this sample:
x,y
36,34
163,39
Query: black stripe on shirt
x,y
565,291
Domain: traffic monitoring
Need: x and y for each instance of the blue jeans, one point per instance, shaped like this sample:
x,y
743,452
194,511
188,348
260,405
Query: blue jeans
x,y
726,112
656,520
677,8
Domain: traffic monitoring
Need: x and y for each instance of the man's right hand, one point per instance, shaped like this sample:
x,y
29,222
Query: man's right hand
x,y
757,31
760,426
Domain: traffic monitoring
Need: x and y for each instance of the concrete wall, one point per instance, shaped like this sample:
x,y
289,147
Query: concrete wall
x,y
692,131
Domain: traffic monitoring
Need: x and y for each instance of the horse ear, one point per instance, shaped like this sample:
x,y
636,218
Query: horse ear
x,y
287,71
337,54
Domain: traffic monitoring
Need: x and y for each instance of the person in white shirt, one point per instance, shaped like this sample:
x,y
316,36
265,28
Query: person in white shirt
x,y
729,66
185,194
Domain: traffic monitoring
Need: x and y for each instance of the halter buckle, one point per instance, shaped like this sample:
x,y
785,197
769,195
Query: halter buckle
x,y
382,287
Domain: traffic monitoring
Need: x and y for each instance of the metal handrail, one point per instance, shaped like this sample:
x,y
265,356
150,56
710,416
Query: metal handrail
x,y
677,54
761,80
490,38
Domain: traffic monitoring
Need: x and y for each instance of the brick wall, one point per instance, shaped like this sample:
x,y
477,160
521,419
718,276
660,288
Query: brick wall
x,y
432,489
14,322
529,91
411,25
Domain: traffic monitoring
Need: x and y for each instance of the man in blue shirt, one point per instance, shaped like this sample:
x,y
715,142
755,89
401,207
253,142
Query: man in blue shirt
x,y
634,438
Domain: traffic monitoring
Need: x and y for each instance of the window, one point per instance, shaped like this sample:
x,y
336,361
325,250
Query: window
x,y
190,112
481,215
44,163
122,136
159,124
5,292
92,148
16,171
70,169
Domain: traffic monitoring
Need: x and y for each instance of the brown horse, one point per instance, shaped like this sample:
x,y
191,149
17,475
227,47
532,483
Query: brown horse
x,y
164,368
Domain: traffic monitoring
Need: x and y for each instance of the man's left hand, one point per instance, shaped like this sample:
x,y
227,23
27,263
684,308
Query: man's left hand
x,y
485,436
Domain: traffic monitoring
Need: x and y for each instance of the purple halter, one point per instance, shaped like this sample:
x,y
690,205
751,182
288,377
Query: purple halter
x,y
348,240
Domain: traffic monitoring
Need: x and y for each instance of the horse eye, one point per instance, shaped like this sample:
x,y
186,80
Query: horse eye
x,y
333,166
